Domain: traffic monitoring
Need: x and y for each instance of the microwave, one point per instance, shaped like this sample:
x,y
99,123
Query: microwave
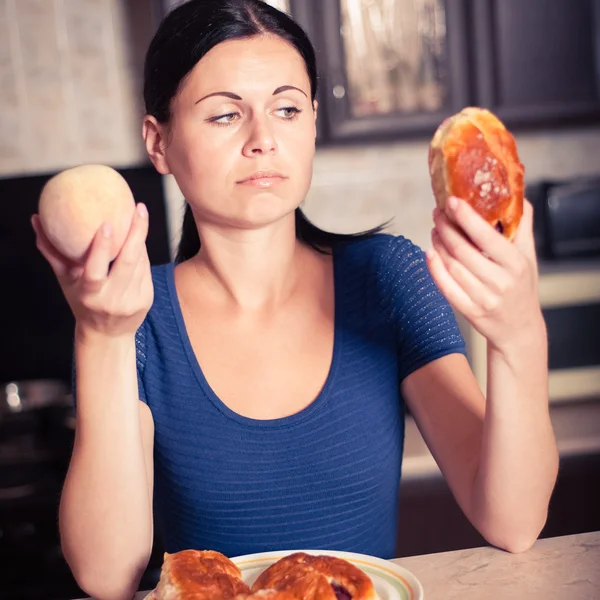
x,y
566,218
569,294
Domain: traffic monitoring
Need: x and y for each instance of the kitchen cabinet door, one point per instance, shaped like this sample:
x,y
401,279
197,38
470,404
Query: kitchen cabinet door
x,y
538,61
307,14
389,68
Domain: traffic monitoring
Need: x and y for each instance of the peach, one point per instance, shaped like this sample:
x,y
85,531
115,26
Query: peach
x,y
75,203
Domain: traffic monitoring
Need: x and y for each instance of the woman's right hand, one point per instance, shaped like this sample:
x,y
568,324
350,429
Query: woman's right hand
x,y
111,303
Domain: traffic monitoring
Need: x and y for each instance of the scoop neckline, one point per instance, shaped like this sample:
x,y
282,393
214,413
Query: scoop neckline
x,y
280,422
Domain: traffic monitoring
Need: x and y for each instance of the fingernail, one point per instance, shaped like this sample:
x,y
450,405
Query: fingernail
x,y
107,230
452,203
142,210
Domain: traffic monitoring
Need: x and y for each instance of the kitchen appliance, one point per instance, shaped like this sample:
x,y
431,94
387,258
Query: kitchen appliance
x,y
566,217
35,445
32,417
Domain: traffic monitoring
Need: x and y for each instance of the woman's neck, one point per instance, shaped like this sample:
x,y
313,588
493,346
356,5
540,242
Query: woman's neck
x,y
254,270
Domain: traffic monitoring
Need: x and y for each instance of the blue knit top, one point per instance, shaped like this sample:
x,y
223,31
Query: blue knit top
x,y
326,477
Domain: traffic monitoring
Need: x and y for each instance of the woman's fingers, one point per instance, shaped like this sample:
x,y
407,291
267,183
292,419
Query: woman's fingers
x,y
479,294
524,239
489,241
460,248
496,293
95,272
135,245
112,300
447,285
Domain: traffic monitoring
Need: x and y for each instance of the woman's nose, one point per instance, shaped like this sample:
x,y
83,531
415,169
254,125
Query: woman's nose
x,y
261,139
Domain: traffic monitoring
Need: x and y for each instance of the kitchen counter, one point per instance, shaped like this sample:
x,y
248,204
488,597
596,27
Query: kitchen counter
x,y
554,569
562,568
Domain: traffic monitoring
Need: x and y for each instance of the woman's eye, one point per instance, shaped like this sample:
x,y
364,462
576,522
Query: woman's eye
x,y
289,112
227,119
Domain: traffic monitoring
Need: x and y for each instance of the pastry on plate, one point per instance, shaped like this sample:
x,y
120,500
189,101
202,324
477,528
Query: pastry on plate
x,y
267,595
199,575
316,577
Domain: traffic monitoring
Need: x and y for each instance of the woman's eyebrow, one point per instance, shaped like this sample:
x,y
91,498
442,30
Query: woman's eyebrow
x,y
226,94
233,96
284,88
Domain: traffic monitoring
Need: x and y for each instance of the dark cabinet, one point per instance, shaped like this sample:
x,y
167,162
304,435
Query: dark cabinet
x,y
430,520
395,69
538,62
387,69
388,72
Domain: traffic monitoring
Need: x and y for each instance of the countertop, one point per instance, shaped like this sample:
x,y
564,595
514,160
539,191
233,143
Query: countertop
x,y
560,568
565,568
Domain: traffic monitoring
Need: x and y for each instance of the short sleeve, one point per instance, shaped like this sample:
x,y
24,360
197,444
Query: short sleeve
x,y
140,360
425,324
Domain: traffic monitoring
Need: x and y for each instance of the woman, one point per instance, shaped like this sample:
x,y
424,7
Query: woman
x,y
274,360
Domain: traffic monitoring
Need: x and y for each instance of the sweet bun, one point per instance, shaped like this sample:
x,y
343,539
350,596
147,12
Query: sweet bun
x,y
310,577
76,202
268,595
474,157
199,575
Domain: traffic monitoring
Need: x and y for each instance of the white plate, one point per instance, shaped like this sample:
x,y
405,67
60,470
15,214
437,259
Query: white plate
x,y
391,581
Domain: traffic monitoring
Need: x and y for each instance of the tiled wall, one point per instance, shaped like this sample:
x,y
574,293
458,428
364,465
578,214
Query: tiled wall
x,y
68,90
70,94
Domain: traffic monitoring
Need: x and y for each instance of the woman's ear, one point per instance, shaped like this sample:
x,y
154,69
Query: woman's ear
x,y
315,110
155,139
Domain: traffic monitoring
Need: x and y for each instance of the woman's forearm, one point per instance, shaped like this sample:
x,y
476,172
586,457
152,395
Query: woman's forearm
x,y
519,459
105,511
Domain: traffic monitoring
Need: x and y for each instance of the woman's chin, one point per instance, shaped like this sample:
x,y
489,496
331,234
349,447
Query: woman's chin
x,y
266,210
255,218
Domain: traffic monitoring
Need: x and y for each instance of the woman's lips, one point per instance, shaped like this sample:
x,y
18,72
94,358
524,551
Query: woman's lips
x,y
263,182
263,179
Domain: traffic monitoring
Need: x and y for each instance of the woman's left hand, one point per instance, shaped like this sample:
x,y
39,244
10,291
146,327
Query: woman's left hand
x,y
493,282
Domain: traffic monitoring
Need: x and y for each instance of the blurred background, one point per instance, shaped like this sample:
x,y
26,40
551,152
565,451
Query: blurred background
x,y
390,72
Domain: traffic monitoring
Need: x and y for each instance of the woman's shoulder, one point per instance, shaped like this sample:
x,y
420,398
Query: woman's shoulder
x,y
382,253
380,243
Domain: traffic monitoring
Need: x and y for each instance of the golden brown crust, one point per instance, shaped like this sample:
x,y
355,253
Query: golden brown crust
x,y
267,595
474,157
199,575
310,577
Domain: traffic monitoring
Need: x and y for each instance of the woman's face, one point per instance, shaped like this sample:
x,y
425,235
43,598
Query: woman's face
x,y
241,140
